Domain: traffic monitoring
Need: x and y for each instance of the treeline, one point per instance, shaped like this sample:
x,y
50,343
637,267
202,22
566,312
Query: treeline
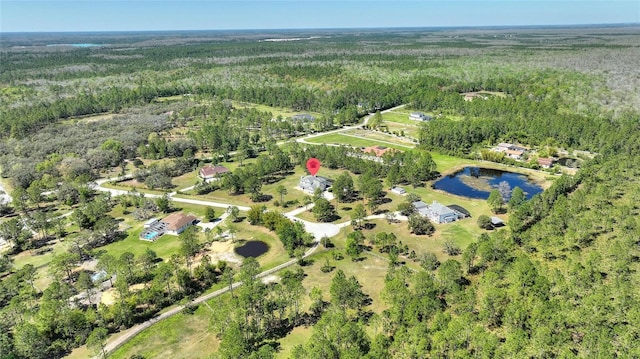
x,y
22,121
538,290
518,118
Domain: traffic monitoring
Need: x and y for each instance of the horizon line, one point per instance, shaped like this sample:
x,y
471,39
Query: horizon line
x,y
488,27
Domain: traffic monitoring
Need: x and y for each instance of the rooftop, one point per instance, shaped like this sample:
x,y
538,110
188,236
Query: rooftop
x,y
178,220
209,170
441,209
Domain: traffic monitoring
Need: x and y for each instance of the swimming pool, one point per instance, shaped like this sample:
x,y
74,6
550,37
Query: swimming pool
x,y
151,235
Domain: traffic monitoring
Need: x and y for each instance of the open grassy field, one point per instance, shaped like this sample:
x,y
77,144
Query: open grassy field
x,y
275,111
380,137
356,141
400,116
181,336
408,130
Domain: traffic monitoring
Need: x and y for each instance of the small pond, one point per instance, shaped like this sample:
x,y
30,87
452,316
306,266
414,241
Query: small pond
x,y
478,182
252,249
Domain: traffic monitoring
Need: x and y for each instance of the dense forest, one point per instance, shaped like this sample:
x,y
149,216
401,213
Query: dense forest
x,y
561,280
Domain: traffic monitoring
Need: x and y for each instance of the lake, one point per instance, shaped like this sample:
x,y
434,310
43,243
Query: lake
x,y
252,249
478,182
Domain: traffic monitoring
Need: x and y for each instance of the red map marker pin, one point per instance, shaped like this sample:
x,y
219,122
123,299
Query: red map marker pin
x,y
313,165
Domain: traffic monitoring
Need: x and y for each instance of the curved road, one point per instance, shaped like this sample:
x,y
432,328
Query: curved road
x,y
327,229
318,230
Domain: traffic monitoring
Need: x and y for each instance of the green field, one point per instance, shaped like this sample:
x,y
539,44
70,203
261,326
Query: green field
x,y
181,336
341,139
275,111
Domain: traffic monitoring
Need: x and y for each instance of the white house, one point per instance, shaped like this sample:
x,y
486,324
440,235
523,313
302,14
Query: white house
x,y
309,183
421,207
440,213
436,212
398,190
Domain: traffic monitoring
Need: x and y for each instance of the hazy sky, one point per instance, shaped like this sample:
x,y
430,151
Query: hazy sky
x,y
123,15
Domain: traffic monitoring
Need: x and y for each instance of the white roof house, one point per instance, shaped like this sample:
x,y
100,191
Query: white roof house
x,y
309,183
436,212
420,207
441,214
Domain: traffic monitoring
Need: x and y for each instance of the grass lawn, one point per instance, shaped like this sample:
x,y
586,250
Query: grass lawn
x,y
275,111
186,180
276,254
181,336
380,137
355,141
447,164
402,117
409,131
164,246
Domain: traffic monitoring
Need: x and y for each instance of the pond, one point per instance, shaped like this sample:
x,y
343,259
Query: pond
x,y
478,182
252,249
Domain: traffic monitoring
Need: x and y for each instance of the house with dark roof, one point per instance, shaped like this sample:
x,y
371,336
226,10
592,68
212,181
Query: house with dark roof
x,y
303,117
419,116
379,151
309,184
210,172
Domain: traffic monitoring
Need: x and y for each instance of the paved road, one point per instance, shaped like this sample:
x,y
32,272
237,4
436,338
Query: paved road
x,y
118,192
318,230
133,331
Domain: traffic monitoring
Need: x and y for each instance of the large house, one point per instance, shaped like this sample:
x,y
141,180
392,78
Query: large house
x,y
174,224
177,222
436,212
209,172
513,151
419,116
379,151
309,184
